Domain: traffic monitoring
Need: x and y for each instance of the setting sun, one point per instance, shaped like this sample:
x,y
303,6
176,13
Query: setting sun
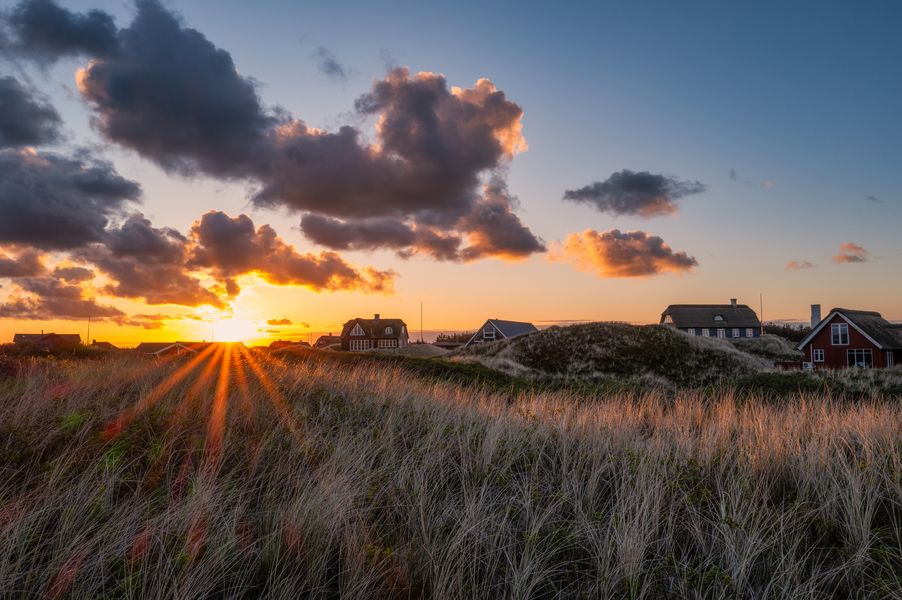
x,y
233,329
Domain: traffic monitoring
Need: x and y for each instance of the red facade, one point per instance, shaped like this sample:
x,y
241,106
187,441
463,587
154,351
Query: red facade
x,y
837,356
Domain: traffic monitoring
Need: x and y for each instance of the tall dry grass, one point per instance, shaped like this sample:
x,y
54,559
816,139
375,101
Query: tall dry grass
x,y
363,482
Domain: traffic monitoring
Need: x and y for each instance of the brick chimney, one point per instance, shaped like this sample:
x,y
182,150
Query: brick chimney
x,y
376,317
733,302
815,315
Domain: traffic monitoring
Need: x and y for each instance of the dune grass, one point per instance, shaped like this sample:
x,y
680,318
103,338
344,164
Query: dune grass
x,y
250,475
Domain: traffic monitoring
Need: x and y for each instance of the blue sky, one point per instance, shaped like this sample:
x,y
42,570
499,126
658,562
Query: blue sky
x,y
800,100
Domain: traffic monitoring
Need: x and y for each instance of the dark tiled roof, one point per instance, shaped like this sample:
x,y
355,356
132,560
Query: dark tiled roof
x,y
888,335
513,328
24,338
103,346
374,328
153,347
704,315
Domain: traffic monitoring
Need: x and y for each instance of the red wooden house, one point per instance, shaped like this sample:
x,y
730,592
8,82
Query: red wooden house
x,y
853,338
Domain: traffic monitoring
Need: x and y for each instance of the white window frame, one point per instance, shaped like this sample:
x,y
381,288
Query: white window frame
x,y
706,332
836,331
817,355
691,330
388,343
488,334
890,359
721,333
389,331
864,352
357,330
750,332
735,332
718,318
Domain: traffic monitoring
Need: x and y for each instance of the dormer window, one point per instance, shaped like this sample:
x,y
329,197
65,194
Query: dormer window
x,y
358,330
718,317
389,331
668,319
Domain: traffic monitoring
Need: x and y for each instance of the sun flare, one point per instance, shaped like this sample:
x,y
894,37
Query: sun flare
x,y
233,330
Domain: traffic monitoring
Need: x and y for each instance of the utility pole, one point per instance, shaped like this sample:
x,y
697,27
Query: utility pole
x,y
88,339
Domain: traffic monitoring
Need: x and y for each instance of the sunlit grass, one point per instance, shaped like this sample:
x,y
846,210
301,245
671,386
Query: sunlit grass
x,y
236,474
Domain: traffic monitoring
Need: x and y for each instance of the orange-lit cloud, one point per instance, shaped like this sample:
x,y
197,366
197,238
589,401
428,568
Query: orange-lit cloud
x,y
615,253
798,265
851,253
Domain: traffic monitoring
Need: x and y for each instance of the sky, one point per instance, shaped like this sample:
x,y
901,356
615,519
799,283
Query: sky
x,y
549,162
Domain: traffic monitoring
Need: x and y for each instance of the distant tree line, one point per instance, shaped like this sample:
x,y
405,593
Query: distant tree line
x,y
792,333
457,336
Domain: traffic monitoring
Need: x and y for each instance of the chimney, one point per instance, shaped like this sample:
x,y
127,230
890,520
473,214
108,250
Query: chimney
x,y
733,302
376,317
815,315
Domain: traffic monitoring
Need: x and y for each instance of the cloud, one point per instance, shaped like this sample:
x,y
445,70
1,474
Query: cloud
x,y
851,253
630,193
146,262
25,120
50,298
73,274
176,99
623,254
278,322
494,229
795,265
232,246
53,202
328,64
29,263
874,199
766,184
44,31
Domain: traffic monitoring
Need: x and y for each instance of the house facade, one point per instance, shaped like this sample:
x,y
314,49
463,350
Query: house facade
x,y
47,342
848,338
499,329
359,335
713,320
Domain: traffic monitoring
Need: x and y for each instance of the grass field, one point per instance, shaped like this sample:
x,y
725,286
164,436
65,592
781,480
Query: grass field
x,y
238,474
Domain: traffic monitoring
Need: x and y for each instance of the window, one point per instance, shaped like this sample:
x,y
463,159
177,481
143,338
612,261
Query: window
x,y
668,319
358,345
735,332
817,354
358,330
706,332
721,332
861,358
718,317
890,359
488,334
691,331
839,334
750,332
388,343
389,331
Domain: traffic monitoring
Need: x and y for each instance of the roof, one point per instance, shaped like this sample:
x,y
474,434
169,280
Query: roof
x,y
25,338
375,327
512,328
703,315
103,345
276,345
327,340
886,335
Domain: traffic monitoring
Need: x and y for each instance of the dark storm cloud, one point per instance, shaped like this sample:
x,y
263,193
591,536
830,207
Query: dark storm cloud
x,y
362,234
176,99
616,253
495,230
328,64
52,202
630,193
73,274
50,298
43,30
148,263
233,246
28,263
25,120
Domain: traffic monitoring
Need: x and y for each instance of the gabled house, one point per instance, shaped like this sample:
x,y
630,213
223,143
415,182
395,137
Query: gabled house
x,y
498,329
852,338
359,334
713,320
325,341
105,346
47,342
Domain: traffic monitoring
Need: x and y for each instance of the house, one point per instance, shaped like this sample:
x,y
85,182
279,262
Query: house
x,y
376,333
47,342
852,338
282,344
325,341
713,320
498,329
102,346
